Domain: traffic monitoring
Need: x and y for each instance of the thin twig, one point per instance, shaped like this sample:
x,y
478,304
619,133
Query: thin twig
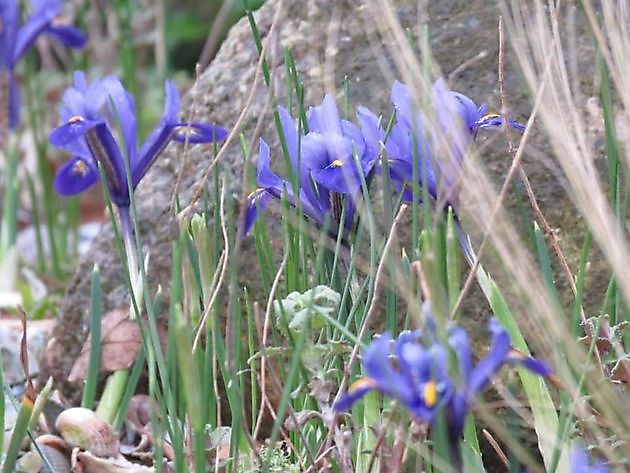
x,y
236,129
263,340
528,188
380,273
185,153
516,160
496,447
279,388
466,64
230,326
216,283
380,440
378,282
223,260
213,41
544,224
321,457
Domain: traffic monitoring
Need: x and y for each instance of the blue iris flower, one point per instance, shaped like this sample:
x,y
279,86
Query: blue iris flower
x,y
16,40
324,159
88,112
421,382
457,120
580,463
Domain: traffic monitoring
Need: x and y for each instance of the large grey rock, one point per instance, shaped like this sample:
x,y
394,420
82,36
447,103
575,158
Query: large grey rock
x,y
459,29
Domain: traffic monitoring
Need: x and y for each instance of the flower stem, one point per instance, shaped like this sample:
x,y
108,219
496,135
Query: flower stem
x,y
4,103
135,277
117,381
112,395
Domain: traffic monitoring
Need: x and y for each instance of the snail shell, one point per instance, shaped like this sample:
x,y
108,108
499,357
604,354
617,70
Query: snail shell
x,y
82,428
57,455
56,451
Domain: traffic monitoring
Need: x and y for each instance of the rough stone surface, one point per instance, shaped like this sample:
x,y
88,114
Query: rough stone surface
x,y
329,41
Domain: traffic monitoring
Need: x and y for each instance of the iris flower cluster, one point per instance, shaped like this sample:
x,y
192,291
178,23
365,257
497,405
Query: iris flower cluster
x,y
330,157
457,121
88,113
16,40
328,160
420,379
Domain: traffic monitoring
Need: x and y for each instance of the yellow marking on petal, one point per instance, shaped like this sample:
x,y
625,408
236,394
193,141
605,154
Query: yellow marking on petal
x,y
61,21
75,119
80,168
254,193
489,116
519,355
336,164
187,130
430,394
361,383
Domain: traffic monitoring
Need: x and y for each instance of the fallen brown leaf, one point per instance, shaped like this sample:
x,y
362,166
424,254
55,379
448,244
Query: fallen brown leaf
x,y
94,464
621,371
120,344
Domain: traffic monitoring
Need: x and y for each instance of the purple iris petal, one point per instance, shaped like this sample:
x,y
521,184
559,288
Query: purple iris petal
x,y
125,111
342,179
198,133
73,100
457,119
256,202
278,187
313,153
100,92
317,206
517,126
338,172
71,131
401,98
75,176
265,176
371,130
67,35
494,360
9,16
113,164
496,120
171,103
306,153
359,389
87,102
167,130
290,135
458,340
353,134
27,35
378,367
325,117
410,353
532,364
466,109
580,462
150,150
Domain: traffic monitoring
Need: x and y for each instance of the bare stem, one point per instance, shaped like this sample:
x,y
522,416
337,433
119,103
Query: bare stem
x,y
126,230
